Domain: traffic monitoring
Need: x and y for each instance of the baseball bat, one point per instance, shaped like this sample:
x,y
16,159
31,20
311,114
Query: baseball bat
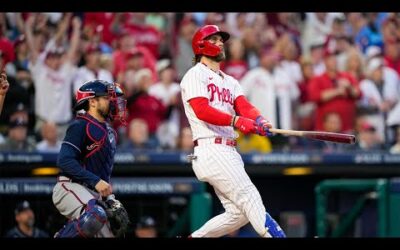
x,y
317,135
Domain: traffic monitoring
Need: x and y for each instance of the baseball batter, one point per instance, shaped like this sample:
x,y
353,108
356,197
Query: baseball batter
x,y
86,162
215,105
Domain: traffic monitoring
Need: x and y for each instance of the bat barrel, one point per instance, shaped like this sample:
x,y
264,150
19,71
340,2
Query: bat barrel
x,y
318,135
332,137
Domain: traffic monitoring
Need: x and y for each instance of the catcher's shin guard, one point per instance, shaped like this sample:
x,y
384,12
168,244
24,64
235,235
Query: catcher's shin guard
x,y
87,225
273,228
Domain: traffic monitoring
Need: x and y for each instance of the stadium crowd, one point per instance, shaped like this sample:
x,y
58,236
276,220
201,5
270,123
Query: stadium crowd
x,y
336,72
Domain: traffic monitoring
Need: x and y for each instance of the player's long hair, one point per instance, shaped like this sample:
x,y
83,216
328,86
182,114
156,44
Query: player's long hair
x,y
85,106
196,59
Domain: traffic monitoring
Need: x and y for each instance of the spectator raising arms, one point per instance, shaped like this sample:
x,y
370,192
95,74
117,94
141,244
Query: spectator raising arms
x,y
53,71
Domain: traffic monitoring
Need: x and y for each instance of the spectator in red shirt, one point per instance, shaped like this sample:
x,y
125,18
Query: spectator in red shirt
x,y
5,44
133,62
392,54
144,106
305,109
235,65
125,49
334,91
307,74
124,45
145,35
93,20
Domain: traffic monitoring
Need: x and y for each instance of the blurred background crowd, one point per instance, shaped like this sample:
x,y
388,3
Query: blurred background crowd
x,y
336,72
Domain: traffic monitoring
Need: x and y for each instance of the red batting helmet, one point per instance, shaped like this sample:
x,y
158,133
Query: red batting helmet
x,y
201,46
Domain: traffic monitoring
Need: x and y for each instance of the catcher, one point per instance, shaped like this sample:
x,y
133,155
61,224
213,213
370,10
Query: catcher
x,y
83,192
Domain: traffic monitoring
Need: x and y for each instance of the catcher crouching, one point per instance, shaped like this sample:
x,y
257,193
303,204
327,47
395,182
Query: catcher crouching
x,y
82,192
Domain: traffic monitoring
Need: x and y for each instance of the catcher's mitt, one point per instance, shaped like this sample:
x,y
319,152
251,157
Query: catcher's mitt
x,y
117,216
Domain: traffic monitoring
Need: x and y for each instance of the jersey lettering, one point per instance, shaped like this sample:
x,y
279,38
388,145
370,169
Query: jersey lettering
x,y
91,147
220,90
223,95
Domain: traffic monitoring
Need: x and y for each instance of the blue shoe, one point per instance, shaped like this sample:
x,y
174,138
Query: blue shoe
x,y
273,228
59,233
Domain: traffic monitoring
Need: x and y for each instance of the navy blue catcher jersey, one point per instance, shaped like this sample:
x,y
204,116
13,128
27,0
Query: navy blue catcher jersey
x,y
87,152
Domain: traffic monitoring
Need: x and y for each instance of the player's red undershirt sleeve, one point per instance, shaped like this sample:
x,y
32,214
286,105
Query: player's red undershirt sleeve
x,y
244,108
209,114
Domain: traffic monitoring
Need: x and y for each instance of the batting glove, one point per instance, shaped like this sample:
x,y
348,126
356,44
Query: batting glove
x,y
265,125
246,125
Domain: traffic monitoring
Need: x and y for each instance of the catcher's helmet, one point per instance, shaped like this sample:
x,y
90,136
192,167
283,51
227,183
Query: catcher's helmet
x,y
201,46
96,88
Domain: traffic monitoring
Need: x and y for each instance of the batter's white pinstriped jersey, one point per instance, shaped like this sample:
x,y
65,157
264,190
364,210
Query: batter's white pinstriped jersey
x,y
201,81
218,164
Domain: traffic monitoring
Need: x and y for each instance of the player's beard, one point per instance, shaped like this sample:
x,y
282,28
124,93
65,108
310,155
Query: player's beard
x,y
104,111
30,222
219,58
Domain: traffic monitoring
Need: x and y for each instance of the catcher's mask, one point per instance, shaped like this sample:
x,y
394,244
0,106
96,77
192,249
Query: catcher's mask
x,y
201,46
98,88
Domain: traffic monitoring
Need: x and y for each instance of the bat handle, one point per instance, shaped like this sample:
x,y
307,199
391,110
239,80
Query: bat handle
x,y
286,132
268,132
